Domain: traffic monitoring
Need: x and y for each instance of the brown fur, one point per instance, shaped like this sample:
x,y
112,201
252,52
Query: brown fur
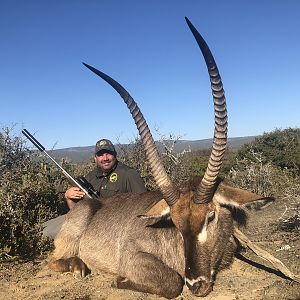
x,y
144,252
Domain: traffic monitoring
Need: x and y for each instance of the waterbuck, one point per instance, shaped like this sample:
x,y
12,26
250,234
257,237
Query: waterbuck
x,y
156,242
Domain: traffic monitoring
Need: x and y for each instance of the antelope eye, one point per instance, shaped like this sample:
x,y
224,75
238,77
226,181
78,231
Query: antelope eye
x,y
211,216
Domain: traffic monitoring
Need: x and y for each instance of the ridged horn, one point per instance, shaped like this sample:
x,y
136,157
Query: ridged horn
x,y
158,171
207,186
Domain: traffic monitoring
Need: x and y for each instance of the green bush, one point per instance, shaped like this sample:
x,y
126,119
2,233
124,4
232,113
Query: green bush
x,y
270,164
28,197
280,147
196,162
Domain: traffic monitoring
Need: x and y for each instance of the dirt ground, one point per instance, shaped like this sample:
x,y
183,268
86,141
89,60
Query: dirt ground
x,y
249,277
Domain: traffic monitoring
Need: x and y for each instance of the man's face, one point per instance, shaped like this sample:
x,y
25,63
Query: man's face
x,y
105,161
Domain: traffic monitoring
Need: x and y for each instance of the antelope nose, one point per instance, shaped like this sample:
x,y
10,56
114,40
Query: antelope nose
x,y
200,287
193,287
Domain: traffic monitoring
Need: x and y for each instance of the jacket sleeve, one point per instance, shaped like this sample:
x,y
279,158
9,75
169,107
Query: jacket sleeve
x,y
134,182
92,179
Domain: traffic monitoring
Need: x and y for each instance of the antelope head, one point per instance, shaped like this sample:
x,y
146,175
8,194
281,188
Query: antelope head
x,y
195,207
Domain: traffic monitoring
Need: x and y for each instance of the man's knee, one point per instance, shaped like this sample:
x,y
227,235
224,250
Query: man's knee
x,y
52,227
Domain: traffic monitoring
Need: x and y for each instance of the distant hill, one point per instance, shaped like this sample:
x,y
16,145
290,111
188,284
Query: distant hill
x,y
80,154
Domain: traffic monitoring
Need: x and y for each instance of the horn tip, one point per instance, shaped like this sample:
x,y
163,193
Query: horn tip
x,y
86,65
94,70
188,21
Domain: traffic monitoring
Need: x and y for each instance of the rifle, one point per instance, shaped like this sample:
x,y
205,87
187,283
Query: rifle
x,y
81,182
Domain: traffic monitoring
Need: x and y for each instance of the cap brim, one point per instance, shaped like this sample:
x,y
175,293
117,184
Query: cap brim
x,y
102,151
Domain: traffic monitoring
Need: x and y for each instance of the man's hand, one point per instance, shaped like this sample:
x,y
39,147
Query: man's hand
x,y
73,193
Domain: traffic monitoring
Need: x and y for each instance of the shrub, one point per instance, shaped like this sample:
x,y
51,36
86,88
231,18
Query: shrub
x,y
134,156
256,174
280,147
196,162
28,197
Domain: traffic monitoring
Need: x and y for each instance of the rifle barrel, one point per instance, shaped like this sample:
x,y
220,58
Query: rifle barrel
x,y
35,142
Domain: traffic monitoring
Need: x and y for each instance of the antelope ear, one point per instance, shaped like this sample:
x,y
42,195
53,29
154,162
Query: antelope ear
x,y
228,195
159,211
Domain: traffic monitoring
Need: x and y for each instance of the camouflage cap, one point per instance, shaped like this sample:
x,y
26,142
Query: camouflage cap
x,y
105,145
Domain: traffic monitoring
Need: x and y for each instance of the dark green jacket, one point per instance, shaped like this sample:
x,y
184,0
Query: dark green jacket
x,y
122,179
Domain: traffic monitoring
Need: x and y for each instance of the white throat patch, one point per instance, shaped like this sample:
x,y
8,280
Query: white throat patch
x,y
202,236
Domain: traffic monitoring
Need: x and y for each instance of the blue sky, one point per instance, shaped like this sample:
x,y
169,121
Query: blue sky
x,y
147,47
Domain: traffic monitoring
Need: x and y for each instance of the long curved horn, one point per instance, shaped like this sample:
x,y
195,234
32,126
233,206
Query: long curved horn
x,y
158,171
208,184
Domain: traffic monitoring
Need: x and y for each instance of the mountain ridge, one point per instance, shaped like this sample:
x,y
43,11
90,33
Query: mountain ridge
x,y
84,153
